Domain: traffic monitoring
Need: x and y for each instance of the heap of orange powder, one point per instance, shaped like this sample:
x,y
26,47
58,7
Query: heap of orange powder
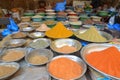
x,y
107,61
65,69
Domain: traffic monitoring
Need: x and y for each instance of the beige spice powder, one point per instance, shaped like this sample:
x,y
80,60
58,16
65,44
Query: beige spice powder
x,y
13,55
38,59
6,70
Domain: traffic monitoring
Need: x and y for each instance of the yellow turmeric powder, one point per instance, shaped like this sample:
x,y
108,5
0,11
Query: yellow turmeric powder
x,y
59,31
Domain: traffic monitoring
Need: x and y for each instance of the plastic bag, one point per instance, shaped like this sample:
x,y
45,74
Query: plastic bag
x,y
6,32
12,26
113,25
60,6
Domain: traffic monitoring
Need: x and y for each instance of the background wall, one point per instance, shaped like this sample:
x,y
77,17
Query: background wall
x,y
26,4
32,4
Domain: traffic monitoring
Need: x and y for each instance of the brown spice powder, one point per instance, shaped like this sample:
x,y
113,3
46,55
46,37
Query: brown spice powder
x,y
6,70
13,55
66,49
38,59
19,35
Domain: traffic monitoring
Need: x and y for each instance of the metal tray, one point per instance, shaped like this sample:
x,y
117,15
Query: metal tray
x,y
96,47
108,36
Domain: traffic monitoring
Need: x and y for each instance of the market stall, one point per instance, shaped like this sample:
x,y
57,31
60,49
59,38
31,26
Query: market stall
x,y
61,43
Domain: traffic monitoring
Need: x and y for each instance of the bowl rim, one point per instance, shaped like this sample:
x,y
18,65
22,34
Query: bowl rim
x,y
12,35
50,17
23,17
24,29
49,10
76,23
21,42
36,16
34,37
72,17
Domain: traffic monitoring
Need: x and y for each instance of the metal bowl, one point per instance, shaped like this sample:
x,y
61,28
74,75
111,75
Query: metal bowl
x,y
27,29
16,43
18,49
24,24
36,35
38,43
41,13
50,18
106,35
49,11
19,35
96,47
76,24
63,42
71,57
45,52
12,64
50,14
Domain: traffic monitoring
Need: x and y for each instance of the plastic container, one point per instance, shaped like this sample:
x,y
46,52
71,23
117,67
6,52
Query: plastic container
x,y
96,18
73,18
25,19
50,14
76,25
103,13
83,18
37,18
41,14
61,18
50,18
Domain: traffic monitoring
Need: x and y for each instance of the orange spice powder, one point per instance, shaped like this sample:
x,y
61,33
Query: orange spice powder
x,y
65,68
107,61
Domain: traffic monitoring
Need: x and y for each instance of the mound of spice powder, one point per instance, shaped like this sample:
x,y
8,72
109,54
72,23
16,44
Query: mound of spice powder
x,y
59,31
65,69
107,61
92,35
